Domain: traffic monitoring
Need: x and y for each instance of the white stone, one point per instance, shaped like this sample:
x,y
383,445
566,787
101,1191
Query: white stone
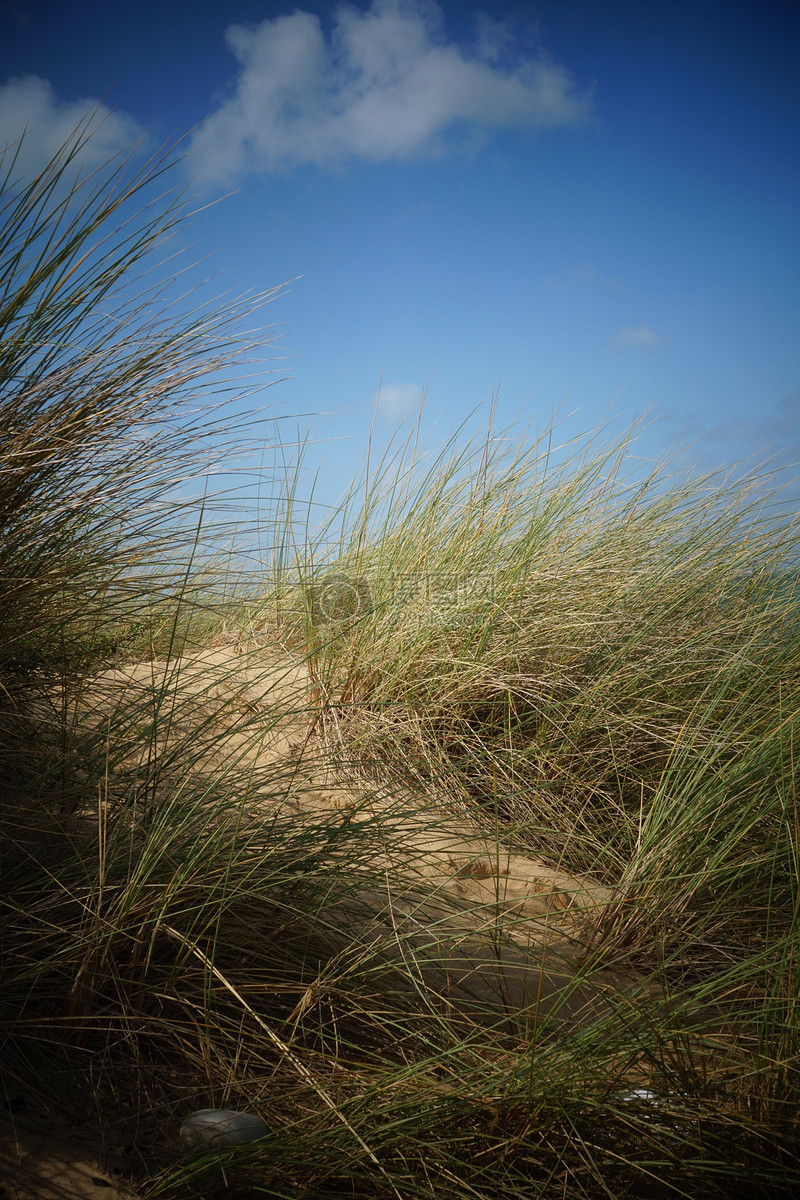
x,y
218,1128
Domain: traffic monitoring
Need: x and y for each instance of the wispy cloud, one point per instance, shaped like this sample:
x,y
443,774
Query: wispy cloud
x,y
776,435
396,401
29,106
386,84
630,337
741,442
584,275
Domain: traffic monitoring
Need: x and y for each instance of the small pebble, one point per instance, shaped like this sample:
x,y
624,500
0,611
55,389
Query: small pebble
x,y
643,1094
218,1128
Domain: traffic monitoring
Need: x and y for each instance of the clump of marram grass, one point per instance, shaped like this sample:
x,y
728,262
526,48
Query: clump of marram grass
x,y
549,641
109,390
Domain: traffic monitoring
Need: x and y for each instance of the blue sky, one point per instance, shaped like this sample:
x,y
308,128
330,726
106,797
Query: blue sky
x,y
563,203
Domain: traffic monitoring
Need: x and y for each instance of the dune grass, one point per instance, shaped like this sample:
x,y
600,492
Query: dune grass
x,y
598,669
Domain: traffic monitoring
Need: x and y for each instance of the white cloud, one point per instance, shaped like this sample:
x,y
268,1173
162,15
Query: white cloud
x,y
30,106
494,39
396,401
629,337
385,85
